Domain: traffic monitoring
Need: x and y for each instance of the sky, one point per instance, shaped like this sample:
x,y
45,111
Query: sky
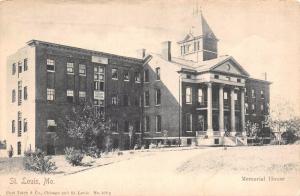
x,y
263,36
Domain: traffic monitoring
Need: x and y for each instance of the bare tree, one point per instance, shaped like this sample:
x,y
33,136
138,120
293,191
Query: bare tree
x,y
278,119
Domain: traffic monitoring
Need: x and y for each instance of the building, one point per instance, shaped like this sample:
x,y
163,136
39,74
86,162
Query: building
x,y
45,80
197,98
200,96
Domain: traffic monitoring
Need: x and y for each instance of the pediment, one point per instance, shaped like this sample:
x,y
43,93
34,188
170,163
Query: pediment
x,y
230,66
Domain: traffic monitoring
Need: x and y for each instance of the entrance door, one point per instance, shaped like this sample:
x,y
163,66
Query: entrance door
x,y
215,122
226,123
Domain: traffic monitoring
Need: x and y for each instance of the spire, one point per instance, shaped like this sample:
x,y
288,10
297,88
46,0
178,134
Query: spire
x,y
199,26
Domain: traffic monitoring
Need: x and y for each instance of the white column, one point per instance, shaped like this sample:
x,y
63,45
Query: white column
x,y
209,130
221,110
232,112
243,112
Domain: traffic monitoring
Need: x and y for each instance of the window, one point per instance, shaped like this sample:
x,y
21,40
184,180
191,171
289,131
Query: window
x,y
158,97
200,96
19,67
188,95
98,102
13,126
200,122
225,96
126,75
114,74
235,96
238,80
82,70
19,150
253,93
157,73
13,70
126,100
188,76
114,100
253,108
115,126
216,76
246,108
70,68
51,126
189,122
147,124
19,92
137,77
99,73
262,95
158,123
146,75
82,96
262,107
246,94
70,96
136,101
13,95
147,98
50,94
25,65
25,124
126,126
137,126
50,65
25,93
99,85
19,124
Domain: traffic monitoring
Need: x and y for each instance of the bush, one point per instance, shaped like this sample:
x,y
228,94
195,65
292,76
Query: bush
x,y
93,151
152,146
10,152
73,156
38,162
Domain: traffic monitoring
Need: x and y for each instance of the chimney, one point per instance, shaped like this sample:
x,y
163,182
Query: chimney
x,y
166,50
141,53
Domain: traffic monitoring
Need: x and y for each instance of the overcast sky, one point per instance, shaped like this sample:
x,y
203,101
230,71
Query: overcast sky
x,y
263,36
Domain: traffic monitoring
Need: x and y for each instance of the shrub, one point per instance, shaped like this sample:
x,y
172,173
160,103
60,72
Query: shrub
x,y
73,156
10,152
38,162
151,146
93,151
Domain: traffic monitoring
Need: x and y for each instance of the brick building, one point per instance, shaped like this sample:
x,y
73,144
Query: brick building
x,y
200,96
196,98
45,80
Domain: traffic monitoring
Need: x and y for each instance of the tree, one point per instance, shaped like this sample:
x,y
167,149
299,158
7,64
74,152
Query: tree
x,y
280,118
252,129
292,132
86,127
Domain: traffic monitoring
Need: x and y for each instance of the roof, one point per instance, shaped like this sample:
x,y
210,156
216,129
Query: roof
x,y
90,52
205,66
199,28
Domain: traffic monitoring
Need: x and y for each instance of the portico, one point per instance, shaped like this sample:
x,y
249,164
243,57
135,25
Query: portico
x,y
224,102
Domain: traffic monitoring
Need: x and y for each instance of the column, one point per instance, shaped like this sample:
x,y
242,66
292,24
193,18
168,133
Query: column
x,y
221,110
209,130
232,112
243,112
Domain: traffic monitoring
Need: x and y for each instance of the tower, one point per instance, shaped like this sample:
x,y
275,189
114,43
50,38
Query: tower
x,y
200,43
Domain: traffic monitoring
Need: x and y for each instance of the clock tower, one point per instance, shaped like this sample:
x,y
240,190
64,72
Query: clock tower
x,y
200,43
